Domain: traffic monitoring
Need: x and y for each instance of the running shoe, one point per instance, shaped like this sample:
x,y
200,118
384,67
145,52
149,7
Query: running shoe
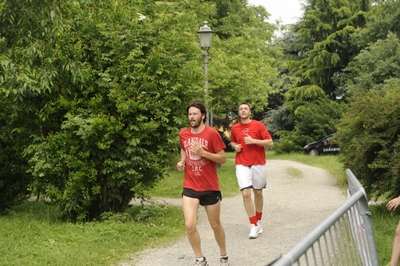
x,y
259,225
224,262
254,231
201,263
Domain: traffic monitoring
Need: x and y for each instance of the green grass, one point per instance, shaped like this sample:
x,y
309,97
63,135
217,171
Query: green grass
x,y
33,233
294,172
384,224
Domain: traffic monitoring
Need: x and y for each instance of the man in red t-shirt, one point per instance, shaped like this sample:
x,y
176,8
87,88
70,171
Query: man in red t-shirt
x,y
249,138
201,149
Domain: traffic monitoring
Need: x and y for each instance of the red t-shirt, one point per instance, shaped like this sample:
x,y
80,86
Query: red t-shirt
x,y
251,154
201,173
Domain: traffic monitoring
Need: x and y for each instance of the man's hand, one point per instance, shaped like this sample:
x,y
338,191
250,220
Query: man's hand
x,y
196,148
238,147
393,204
181,165
249,140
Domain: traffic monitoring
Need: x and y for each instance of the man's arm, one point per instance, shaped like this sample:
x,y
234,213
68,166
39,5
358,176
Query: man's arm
x,y
236,147
261,142
181,164
183,155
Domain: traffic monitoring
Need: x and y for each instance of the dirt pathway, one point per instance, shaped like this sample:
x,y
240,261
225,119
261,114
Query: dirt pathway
x,y
298,197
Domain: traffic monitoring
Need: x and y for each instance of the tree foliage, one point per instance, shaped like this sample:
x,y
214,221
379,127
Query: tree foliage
x,y
94,92
382,18
369,131
369,137
315,115
242,59
111,106
14,181
317,50
325,31
374,65
26,72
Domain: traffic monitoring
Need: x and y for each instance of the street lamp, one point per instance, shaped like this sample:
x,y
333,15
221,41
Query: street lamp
x,y
205,36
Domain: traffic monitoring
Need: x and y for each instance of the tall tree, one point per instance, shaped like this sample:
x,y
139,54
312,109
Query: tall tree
x,y
96,92
374,66
381,19
370,129
101,95
317,50
242,59
325,30
314,114
27,73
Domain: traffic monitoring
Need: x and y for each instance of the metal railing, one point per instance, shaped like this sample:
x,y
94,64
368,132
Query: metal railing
x,y
346,237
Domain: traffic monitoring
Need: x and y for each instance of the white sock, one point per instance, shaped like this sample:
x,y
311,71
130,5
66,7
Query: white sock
x,y
201,258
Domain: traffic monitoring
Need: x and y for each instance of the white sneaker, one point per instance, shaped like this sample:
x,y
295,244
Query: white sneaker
x,y
201,263
224,262
260,227
254,231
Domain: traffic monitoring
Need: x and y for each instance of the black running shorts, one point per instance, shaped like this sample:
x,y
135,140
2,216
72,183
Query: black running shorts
x,y
205,197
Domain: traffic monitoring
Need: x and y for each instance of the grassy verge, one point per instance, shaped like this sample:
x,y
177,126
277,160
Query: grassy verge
x,y
384,224
33,234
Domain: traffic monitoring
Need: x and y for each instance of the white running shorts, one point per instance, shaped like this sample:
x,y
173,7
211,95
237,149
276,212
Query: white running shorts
x,y
254,176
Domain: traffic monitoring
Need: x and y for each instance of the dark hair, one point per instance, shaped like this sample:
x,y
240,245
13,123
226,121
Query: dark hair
x,y
199,105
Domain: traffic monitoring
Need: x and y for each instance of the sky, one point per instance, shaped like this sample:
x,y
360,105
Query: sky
x,y
286,10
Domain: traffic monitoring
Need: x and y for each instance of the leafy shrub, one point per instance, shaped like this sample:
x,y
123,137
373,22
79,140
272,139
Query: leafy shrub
x,y
147,211
369,135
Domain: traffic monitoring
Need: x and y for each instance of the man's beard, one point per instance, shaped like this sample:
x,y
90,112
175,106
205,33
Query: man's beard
x,y
195,123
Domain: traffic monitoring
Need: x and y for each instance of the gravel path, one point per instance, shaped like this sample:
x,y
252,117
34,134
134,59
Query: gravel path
x,y
298,197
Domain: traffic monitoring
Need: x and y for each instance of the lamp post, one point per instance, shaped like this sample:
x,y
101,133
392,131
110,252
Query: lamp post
x,y
205,36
